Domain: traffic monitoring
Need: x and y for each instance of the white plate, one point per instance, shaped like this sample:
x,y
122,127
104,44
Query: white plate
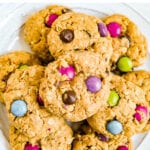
x,y
11,35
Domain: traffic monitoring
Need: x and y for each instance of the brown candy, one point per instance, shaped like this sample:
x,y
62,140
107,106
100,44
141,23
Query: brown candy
x,y
69,97
66,10
40,101
67,35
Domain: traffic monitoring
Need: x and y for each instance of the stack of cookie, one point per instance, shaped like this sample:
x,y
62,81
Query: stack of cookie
x,y
77,90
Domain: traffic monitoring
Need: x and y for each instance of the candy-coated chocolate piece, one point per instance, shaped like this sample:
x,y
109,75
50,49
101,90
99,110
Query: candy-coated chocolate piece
x,y
19,108
125,64
69,97
67,35
68,71
114,127
122,148
51,19
114,29
30,147
113,98
102,137
93,84
40,101
22,67
102,29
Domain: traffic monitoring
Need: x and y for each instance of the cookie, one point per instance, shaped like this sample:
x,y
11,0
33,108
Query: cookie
x,y
23,102
74,31
10,62
103,48
89,139
126,112
142,79
75,85
55,135
38,26
127,40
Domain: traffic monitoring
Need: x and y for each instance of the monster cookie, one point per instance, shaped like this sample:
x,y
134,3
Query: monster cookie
x,y
37,28
88,139
75,31
142,79
75,85
23,102
127,40
55,134
10,62
126,112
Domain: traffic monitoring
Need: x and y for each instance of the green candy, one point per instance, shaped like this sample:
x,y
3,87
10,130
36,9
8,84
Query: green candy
x,y
22,67
125,64
113,98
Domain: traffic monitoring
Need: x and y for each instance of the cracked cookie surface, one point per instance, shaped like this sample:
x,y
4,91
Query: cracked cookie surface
x,y
124,114
131,41
23,85
87,138
73,31
142,79
36,30
83,102
54,134
10,62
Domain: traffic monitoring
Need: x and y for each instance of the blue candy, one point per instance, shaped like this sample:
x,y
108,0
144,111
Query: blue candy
x,y
19,108
114,127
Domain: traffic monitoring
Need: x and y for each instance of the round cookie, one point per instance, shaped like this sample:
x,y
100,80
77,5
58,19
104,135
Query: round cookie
x,y
10,62
74,31
88,139
23,102
126,113
75,85
55,134
142,79
38,26
130,42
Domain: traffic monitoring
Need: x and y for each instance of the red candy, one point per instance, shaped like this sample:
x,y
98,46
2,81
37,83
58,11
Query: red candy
x,y
122,148
51,19
114,29
30,147
140,109
68,71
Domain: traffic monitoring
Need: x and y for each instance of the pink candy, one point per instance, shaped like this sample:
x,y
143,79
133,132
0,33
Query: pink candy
x,y
139,109
30,147
51,19
137,116
68,71
114,29
142,108
122,148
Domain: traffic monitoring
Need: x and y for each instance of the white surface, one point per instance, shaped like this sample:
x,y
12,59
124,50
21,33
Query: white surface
x,y
12,17
3,143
